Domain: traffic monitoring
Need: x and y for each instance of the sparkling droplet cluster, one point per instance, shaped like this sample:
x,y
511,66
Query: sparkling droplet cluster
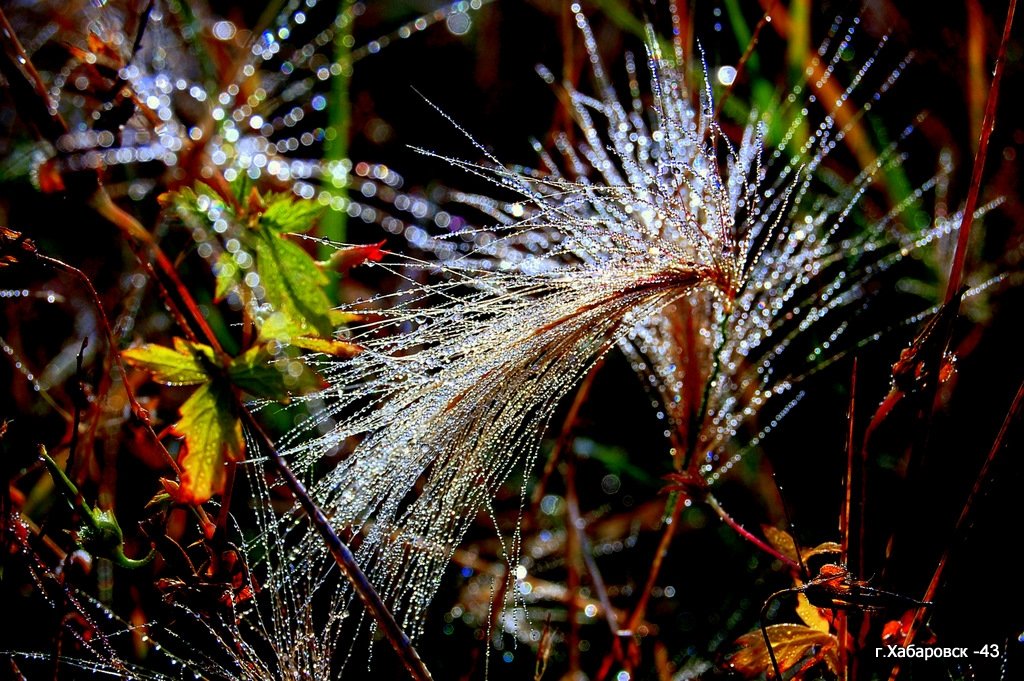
x,y
707,260
201,92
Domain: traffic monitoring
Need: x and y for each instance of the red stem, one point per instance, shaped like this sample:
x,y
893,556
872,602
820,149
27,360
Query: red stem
x,y
962,522
845,518
988,124
750,537
637,616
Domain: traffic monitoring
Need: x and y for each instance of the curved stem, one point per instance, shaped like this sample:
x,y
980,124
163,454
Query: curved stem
x,y
764,628
106,207
751,537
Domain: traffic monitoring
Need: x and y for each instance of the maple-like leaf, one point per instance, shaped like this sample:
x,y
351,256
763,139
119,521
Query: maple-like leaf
x,y
284,213
180,365
213,436
209,421
293,286
259,373
795,646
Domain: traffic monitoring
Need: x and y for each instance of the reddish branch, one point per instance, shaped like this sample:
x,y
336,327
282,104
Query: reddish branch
x,y
953,290
962,523
988,124
637,616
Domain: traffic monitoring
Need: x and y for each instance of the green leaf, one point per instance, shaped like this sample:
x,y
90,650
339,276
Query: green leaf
x,y
213,436
227,276
256,373
622,15
241,186
286,214
260,373
181,365
193,205
203,353
615,459
294,287
339,122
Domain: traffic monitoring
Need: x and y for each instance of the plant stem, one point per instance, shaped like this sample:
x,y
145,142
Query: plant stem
x,y
752,41
333,222
697,418
344,559
565,436
988,124
674,511
137,409
132,228
961,527
750,536
845,518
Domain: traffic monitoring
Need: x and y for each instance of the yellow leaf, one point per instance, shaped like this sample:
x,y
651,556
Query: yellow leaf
x,y
781,540
178,366
827,547
794,645
331,346
811,615
213,435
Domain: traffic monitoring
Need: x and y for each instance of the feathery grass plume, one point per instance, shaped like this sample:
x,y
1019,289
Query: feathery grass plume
x,y
705,259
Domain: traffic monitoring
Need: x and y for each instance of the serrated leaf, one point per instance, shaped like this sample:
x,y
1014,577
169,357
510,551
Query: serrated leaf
x,y
278,326
180,365
286,214
294,287
226,273
328,346
202,352
340,318
277,378
811,615
255,372
793,644
241,187
781,540
193,204
213,436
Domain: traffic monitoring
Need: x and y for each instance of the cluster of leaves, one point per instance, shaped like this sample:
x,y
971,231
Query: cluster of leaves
x,y
298,309
294,311
209,422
